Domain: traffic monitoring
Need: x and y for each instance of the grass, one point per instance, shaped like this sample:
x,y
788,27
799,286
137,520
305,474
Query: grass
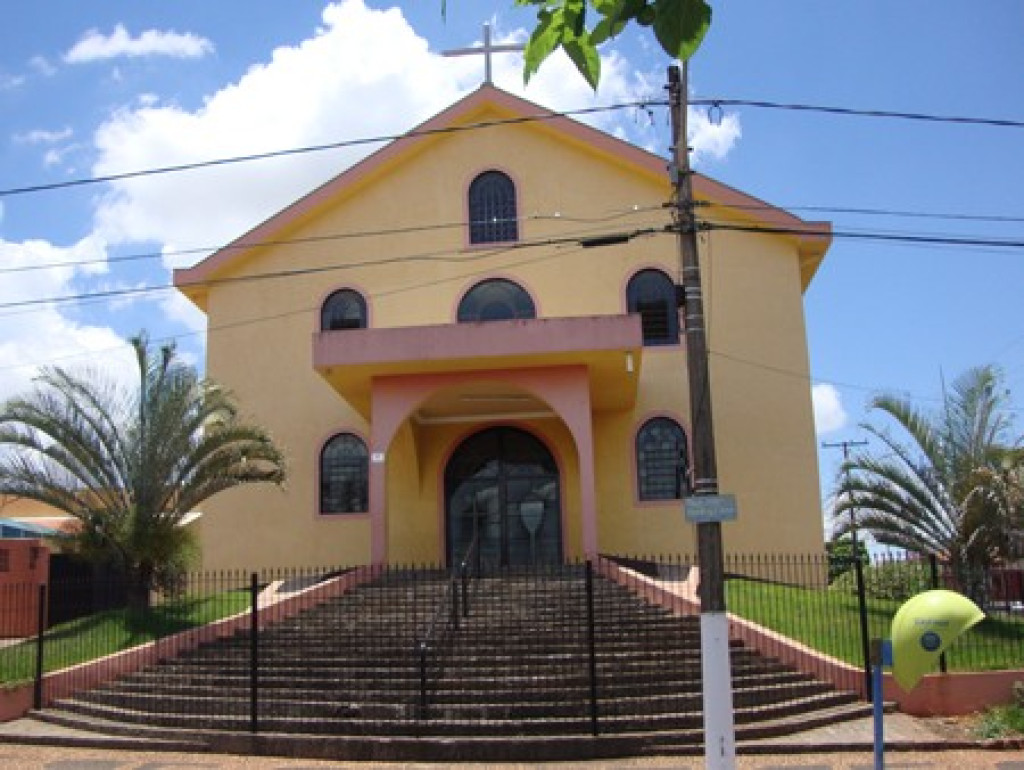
x,y
1002,722
829,621
103,633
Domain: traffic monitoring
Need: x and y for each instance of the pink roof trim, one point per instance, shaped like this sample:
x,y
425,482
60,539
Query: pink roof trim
x,y
753,209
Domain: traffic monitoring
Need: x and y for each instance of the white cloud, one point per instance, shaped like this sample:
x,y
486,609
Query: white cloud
x,y
10,82
712,137
363,73
41,334
829,414
42,136
43,66
95,46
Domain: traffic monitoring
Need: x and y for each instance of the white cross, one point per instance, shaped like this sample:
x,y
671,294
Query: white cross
x,y
487,49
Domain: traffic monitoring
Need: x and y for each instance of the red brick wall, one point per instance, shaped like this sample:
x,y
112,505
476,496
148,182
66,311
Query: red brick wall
x,y
24,565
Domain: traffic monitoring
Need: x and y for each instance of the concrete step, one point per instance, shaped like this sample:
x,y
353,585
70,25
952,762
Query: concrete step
x,y
518,666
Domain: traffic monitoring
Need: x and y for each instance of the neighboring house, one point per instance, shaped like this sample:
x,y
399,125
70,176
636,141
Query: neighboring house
x,y
21,518
441,358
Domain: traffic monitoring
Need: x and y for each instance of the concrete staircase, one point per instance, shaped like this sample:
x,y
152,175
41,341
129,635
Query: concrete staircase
x,y
515,680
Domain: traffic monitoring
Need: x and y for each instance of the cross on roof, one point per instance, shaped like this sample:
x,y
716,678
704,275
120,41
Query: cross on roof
x,y
486,49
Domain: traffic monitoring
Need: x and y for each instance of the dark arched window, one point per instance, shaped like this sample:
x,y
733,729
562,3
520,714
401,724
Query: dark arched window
x,y
344,309
496,300
344,475
492,209
662,460
652,294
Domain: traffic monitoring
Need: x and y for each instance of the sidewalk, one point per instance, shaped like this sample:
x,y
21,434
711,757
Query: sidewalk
x,y
913,743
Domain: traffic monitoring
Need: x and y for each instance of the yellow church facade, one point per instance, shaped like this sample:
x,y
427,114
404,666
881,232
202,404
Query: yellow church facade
x,y
472,339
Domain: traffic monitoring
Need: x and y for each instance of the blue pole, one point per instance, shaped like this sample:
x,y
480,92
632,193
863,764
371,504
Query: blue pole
x,y
881,655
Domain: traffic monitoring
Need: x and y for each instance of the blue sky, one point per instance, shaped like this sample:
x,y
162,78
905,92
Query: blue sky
x,y
90,89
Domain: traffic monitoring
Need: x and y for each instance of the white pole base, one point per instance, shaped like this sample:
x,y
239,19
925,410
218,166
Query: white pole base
x,y
719,729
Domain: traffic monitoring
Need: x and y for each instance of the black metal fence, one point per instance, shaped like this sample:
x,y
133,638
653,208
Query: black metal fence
x,y
368,644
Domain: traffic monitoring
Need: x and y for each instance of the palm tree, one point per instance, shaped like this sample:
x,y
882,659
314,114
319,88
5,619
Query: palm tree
x,y
129,463
936,495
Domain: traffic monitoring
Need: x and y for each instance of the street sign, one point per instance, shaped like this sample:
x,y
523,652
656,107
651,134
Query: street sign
x,y
705,509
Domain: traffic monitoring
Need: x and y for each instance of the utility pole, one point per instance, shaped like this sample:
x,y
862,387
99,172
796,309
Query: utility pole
x,y
719,728
845,446
858,569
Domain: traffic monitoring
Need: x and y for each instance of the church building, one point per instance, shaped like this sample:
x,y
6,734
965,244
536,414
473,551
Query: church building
x,y
473,337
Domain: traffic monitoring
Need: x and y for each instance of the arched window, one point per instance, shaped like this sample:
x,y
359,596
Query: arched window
x,y
344,475
492,209
344,309
662,460
496,300
652,294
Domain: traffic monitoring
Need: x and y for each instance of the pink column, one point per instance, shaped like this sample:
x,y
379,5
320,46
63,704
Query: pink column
x,y
565,388
390,406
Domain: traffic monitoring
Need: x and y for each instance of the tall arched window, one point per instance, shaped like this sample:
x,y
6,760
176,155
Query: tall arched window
x,y
652,294
492,209
344,475
662,460
496,300
344,309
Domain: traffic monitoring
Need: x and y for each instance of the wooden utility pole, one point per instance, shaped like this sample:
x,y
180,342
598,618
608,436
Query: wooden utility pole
x,y
845,446
719,728
858,568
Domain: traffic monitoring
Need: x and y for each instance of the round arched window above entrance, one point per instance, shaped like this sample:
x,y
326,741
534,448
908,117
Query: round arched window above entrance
x,y
496,299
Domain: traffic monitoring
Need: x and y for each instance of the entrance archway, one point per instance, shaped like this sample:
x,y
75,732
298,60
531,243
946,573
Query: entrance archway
x,y
502,486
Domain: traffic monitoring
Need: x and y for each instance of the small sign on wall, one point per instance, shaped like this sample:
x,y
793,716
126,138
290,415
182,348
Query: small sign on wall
x,y
377,458
704,509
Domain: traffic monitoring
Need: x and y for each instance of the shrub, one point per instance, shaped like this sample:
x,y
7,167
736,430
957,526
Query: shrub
x,y
892,580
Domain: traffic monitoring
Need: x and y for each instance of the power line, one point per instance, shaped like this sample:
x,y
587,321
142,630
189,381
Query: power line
x,y
444,255
812,379
862,113
460,255
940,240
869,211
344,144
382,139
309,309
410,229
934,239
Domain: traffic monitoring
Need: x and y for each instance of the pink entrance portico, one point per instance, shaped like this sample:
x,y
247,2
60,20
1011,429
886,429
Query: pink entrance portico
x,y
570,367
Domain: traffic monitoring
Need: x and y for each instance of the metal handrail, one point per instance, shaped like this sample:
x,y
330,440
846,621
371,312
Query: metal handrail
x,y
448,604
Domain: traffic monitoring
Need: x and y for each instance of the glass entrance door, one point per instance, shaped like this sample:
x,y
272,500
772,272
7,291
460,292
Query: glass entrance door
x,y
501,486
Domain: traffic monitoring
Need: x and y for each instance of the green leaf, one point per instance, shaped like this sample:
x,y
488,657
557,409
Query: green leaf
x,y
545,38
680,26
607,28
575,13
628,9
584,55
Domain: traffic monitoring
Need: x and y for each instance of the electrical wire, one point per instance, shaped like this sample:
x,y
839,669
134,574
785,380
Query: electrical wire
x,y
867,211
861,113
242,246
461,255
444,255
343,144
382,139
940,240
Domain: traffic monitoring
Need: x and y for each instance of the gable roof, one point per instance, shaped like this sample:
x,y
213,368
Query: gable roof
x,y
812,238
